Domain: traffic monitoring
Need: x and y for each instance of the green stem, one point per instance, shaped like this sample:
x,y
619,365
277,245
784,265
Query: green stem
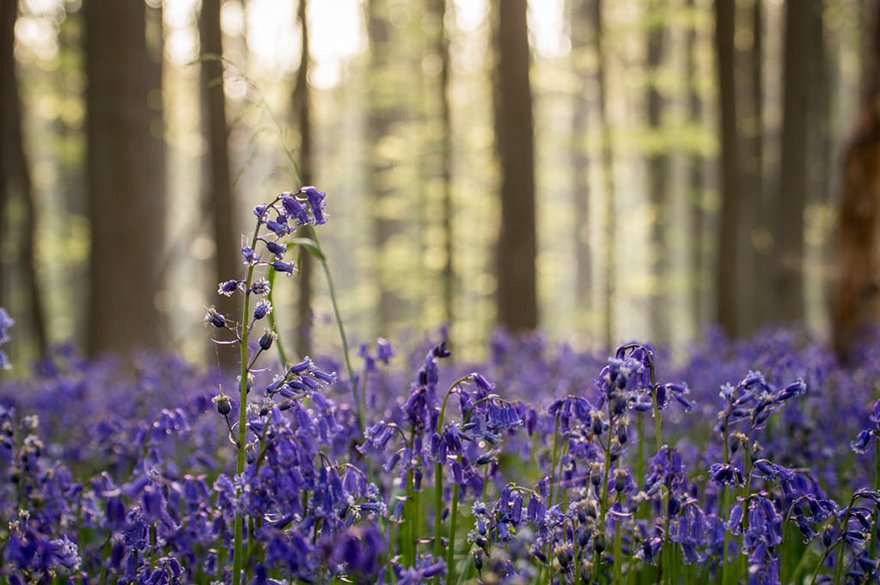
x,y
872,550
360,405
282,355
438,476
450,547
725,510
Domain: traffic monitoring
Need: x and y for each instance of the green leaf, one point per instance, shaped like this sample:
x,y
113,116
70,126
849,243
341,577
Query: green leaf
x,y
311,246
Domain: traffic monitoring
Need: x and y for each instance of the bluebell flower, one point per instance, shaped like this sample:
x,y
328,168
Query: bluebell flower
x,y
228,287
215,318
262,308
316,203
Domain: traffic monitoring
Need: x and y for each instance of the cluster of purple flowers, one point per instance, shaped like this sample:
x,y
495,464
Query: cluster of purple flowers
x,y
5,323
541,466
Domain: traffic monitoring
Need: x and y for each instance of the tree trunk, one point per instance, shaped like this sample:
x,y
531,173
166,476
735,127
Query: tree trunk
x,y
126,178
514,138
15,178
218,199
658,171
302,114
855,303
726,308
696,176
581,28
608,183
382,113
789,289
749,89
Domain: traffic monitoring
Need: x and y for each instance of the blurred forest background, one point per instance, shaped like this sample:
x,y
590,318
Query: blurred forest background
x,y
599,170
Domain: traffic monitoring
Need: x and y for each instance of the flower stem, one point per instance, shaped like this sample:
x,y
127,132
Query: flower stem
x,y
360,405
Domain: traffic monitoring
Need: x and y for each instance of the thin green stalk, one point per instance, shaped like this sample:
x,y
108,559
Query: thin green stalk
x,y
282,355
438,476
450,547
360,405
872,550
725,510
618,554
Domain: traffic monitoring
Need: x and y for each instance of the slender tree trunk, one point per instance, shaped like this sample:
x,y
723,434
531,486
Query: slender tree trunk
x,y
608,183
15,176
658,171
696,175
126,177
855,303
726,305
438,9
514,137
382,103
218,199
302,113
750,96
581,28
789,293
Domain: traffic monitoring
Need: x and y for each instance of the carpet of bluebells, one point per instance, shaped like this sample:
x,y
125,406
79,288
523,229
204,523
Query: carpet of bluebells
x,y
755,461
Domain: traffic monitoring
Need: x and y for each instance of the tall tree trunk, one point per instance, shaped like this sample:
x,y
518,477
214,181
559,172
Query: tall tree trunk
x,y
658,171
608,183
749,90
218,199
789,277
726,307
696,174
15,176
126,178
581,28
855,303
381,108
514,139
438,11
302,114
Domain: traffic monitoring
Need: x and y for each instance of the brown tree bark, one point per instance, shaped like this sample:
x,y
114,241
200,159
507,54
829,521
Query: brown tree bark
x,y
658,171
696,176
855,304
382,114
749,89
218,198
15,179
126,178
726,303
302,114
606,152
438,9
581,17
514,139
789,230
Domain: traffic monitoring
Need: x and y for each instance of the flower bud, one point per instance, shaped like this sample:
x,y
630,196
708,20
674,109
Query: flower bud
x,y
266,340
223,404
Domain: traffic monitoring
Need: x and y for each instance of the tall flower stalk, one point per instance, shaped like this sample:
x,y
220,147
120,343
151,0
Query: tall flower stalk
x,y
274,223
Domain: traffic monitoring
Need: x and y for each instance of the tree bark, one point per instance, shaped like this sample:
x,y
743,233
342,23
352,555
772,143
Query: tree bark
x,y
514,138
855,304
608,184
726,305
382,102
218,198
126,178
15,178
789,253
581,29
696,176
658,171
441,47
